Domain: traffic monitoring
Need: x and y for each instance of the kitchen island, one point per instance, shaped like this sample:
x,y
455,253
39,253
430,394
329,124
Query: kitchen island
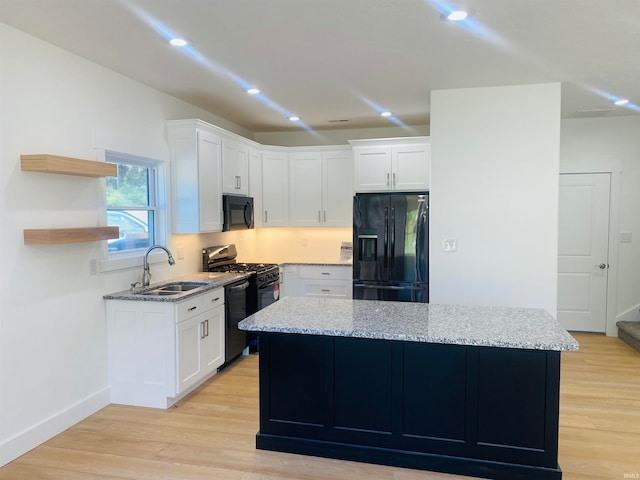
x,y
459,389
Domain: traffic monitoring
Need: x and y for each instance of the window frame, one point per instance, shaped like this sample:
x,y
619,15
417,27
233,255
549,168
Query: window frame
x,y
157,232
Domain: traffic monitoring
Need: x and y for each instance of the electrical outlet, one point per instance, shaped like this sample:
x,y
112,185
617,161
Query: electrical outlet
x,y
626,237
93,266
180,251
450,245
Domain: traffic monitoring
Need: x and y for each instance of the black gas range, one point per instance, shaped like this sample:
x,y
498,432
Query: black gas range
x,y
264,283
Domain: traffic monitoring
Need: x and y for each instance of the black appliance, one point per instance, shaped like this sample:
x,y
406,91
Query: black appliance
x,y
237,212
391,247
235,305
264,280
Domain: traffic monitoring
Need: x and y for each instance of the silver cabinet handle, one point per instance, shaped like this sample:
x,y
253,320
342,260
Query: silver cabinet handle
x,y
265,216
239,182
325,216
394,179
206,325
325,273
319,216
191,309
325,290
202,335
215,299
387,179
601,266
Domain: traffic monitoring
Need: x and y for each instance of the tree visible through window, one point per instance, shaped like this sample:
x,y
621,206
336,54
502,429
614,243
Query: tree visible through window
x,y
132,202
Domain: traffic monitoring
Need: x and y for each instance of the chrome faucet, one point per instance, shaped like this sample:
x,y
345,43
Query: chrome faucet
x,y
146,274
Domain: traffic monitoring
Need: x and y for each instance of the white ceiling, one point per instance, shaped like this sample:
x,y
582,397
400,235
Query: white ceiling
x,y
329,60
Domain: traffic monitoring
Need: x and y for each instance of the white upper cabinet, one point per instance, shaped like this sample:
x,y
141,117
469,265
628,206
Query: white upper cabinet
x,y
275,189
393,164
195,172
235,167
321,187
255,184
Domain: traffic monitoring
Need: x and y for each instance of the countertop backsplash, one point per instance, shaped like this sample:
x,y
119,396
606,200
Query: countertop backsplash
x,y
314,245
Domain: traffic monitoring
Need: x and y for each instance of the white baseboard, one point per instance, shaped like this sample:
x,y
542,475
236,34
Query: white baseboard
x,y
19,444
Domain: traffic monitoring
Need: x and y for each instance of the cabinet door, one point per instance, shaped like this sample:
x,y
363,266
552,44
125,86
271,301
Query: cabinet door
x,y
235,168
255,184
410,167
372,169
305,189
337,193
289,281
210,199
188,337
275,189
213,341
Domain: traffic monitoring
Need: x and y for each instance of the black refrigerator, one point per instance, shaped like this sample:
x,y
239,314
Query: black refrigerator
x,y
391,247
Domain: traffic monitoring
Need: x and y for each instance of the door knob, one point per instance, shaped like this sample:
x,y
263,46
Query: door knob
x,y
602,266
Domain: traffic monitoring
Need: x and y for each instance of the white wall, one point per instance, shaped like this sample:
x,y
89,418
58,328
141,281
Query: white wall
x,y
608,140
53,353
494,178
336,137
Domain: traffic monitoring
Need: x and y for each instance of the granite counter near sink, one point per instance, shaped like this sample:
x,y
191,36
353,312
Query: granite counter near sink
x,y
212,280
450,388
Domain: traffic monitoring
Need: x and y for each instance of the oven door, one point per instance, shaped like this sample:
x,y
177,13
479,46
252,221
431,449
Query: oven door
x,y
269,293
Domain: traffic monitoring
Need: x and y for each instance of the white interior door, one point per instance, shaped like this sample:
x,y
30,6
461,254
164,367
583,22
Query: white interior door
x,y
583,249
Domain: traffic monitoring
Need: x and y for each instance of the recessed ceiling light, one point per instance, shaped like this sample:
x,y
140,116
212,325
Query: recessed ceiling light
x,y
293,118
457,15
178,42
253,91
386,114
622,101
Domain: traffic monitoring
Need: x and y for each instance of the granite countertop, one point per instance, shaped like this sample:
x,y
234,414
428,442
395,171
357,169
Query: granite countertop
x,y
212,280
524,328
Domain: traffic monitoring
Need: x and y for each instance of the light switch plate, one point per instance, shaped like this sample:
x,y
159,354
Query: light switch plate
x,y
450,245
626,237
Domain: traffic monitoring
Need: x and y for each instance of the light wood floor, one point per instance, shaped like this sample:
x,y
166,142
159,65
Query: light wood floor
x,y
211,434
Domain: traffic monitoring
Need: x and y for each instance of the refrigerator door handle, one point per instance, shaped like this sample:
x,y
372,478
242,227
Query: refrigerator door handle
x,y
392,228
386,236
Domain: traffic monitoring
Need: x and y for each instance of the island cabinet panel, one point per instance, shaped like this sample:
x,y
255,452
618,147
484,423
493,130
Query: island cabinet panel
x,y
480,411
362,389
434,386
295,388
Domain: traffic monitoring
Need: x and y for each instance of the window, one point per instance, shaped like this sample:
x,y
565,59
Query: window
x,y
132,202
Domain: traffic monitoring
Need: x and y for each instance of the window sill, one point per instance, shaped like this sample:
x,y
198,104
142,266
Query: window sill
x,y
133,259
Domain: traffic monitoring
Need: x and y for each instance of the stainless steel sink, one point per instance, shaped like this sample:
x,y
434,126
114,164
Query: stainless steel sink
x,y
174,288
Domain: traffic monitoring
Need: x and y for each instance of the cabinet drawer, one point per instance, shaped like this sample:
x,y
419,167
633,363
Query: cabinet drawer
x,y
189,308
212,299
325,272
333,290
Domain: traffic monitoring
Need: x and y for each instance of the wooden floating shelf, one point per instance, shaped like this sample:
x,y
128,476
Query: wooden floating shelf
x,y
55,236
67,166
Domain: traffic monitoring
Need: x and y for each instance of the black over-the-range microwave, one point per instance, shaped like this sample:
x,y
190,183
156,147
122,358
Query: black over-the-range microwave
x,y
238,212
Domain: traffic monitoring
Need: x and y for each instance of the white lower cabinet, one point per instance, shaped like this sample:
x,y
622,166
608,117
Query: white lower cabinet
x,y
160,351
328,281
199,349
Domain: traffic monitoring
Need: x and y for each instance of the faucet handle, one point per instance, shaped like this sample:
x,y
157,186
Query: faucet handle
x,y
133,286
